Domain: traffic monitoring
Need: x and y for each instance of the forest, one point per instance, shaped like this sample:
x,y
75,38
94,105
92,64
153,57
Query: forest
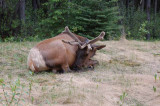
x,y
30,20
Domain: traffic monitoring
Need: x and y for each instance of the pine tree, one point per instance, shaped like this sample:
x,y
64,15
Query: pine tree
x,y
95,16
85,17
56,17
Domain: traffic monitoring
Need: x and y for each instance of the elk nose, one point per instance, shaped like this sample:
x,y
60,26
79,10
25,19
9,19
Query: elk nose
x,y
91,67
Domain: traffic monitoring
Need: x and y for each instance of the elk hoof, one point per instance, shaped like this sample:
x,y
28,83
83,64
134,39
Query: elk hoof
x,y
54,71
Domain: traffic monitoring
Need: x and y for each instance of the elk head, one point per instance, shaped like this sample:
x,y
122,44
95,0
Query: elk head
x,y
86,50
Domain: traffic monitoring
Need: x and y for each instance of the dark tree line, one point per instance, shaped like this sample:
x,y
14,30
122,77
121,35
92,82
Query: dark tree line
x,y
150,8
23,19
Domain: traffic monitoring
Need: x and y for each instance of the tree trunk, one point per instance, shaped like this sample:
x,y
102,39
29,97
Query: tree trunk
x,y
155,12
127,11
155,8
2,4
22,16
2,17
22,10
148,16
35,4
143,2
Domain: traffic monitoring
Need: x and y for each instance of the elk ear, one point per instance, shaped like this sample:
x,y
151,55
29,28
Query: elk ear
x,y
99,47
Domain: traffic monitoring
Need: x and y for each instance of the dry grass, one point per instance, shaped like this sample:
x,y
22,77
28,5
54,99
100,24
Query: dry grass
x,y
125,66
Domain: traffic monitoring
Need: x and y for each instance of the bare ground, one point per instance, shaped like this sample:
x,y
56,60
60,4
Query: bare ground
x,y
125,67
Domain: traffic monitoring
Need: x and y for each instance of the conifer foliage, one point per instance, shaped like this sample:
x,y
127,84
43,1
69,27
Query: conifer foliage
x,y
89,17
40,19
48,18
97,16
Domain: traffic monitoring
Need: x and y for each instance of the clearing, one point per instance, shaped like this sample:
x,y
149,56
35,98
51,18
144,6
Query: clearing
x,y
126,76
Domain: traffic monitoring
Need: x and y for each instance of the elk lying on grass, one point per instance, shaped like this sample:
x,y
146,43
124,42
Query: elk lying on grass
x,y
64,51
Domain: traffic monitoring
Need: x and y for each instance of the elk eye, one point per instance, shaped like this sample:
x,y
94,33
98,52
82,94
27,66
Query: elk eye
x,y
86,54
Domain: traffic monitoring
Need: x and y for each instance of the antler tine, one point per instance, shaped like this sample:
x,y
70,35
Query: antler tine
x,y
73,43
78,44
100,37
71,34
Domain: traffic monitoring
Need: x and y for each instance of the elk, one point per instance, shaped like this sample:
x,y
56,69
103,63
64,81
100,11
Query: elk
x,y
65,51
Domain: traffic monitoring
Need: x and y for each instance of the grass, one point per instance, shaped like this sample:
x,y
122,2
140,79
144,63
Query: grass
x,y
130,63
124,66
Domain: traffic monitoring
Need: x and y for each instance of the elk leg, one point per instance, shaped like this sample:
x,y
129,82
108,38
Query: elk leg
x,y
66,68
54,71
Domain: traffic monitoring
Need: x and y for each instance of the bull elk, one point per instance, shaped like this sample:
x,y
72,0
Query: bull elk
x,y
64,51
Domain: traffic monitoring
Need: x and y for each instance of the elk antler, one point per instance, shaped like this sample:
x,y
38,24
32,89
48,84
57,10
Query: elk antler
x,y
73,43
71,34
100,37
79,43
